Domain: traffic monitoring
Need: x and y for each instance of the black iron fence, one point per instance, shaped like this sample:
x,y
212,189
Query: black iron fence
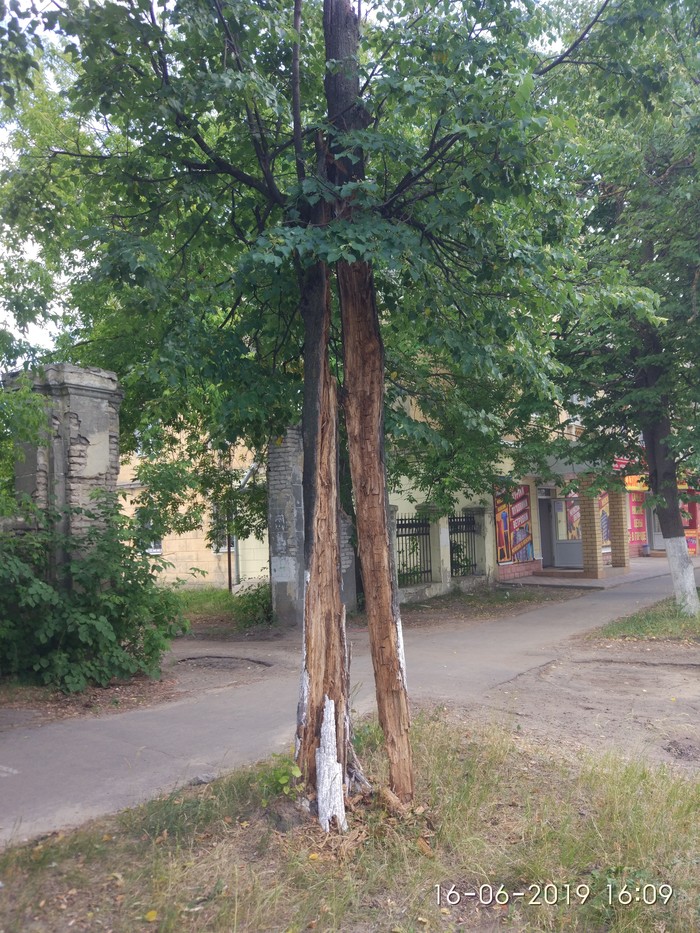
x,y
413,550
464,532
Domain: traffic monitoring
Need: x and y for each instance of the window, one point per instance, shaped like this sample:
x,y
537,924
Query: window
x,y
218,531
568,519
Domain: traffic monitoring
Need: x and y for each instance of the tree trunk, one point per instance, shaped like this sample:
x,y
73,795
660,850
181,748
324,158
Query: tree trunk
x,y
663,472
323,728
364,417
663,479
363,355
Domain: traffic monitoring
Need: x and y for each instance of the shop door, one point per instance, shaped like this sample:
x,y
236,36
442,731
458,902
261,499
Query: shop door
x,y
656,539
566,533
546,532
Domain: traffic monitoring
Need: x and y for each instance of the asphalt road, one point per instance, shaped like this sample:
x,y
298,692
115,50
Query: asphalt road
x,y
60,774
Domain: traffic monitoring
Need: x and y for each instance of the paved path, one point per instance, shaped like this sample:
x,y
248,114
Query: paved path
x,y
60,774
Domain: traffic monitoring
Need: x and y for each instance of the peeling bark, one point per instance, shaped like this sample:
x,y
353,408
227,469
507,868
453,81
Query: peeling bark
x,y
363,356
330,783
324,688
364,417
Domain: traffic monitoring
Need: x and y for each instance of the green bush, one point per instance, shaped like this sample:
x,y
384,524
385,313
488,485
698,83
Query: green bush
x,y
83,609
253,607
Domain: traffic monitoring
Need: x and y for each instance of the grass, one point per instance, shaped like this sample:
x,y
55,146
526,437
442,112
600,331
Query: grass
x,y
240,611
490,810
660,621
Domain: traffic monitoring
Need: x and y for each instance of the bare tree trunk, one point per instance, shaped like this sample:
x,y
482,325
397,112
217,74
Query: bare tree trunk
x,y
363,355
364,417
663,479
323,727
663,474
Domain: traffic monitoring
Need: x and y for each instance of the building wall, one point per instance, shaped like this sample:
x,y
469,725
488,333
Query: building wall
x,y
190,552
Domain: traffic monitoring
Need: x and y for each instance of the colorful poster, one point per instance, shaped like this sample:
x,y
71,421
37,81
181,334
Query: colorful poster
x,y
638,517
573,519
514,527
604,506
691,536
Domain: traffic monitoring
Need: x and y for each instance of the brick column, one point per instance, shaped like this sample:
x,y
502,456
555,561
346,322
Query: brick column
x,y
619,523
285,523
591,537
79,453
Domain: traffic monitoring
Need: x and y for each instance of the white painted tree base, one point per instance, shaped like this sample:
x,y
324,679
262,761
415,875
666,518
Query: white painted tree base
x,y
683,576
329,773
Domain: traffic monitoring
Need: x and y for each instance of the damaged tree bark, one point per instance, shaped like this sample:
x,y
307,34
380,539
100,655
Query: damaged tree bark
x,y
323,727
363,357
364,417
324,752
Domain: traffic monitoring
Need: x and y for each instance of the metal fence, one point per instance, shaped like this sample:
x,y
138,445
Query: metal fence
x,y
464,531
413,550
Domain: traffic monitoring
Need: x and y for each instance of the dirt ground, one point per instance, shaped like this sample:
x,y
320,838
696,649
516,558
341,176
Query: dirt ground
x,y
638,699
631,697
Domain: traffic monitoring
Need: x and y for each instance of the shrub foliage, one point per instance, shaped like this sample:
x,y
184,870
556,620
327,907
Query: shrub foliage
x,y
86,608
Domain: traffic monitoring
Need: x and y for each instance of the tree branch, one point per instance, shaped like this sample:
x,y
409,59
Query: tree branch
x,y
560,59
255,124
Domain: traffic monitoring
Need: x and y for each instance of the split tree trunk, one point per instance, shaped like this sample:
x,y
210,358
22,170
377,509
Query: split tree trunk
x,y
323,727
363,355
663,479
364,417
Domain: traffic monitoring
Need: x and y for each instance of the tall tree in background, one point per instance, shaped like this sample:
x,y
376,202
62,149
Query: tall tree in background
x,y
633,364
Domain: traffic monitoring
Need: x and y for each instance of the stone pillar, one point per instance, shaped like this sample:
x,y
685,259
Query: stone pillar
x,y
619,524
285,513
479,516
439,544
81,450
393,514
347,563
591,536
285,517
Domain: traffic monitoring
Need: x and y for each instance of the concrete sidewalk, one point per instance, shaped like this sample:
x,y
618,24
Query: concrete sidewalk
x,y
641,568
60,774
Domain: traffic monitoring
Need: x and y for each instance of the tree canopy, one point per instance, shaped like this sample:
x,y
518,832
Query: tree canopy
x,y
632,359
171,234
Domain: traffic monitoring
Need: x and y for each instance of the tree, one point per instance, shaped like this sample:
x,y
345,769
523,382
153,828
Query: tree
x,y
243,173
633,359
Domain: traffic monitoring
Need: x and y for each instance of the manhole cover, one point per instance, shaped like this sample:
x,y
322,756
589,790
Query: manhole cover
x,y
223,663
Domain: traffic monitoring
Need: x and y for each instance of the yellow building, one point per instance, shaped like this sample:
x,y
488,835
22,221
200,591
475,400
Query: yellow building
x,y
191,556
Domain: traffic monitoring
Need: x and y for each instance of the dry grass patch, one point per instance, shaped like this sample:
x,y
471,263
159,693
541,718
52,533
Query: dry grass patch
x,y
492,811
662,621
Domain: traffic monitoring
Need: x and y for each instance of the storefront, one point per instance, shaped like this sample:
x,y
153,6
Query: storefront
x,y
561,532
644,528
